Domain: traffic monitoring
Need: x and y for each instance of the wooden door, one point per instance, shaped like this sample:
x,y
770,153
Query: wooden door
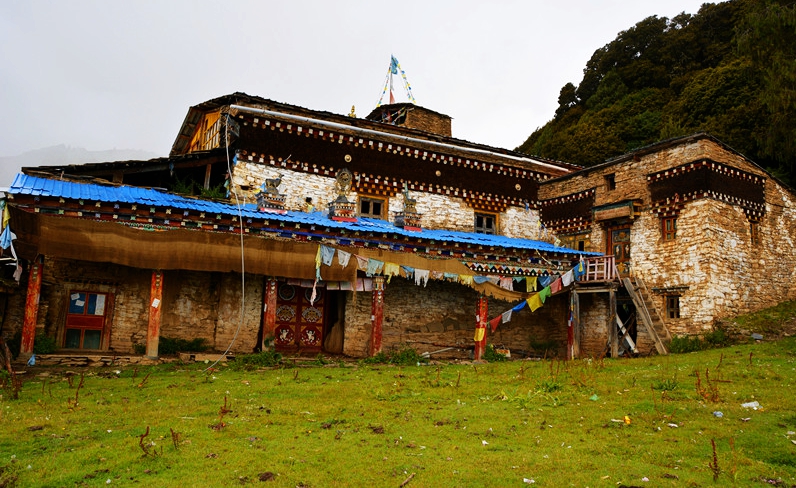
x,y
619,246
299,323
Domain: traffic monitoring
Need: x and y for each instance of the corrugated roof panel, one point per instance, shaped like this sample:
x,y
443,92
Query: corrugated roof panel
x,y
24,184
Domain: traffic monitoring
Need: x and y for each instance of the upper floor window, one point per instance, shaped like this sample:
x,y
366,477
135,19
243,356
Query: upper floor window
x,y
485,223
610,182
669,228
372,207
754,232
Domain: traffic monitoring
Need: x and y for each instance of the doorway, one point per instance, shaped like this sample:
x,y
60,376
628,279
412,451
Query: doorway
x,y
619,245
300,322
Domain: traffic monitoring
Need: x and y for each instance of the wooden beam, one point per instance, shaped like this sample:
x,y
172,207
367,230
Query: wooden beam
x,y
481,321
613,337
269,313
31,306
377,315
574,328
155,312
208,169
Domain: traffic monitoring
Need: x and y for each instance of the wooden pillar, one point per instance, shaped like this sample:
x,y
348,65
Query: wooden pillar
x,y
31,306
377,315
613,337
155,312
575,325
573,332
481,321
269,313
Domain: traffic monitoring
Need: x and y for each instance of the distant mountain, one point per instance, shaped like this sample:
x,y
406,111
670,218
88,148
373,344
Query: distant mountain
x,y
728,71
62,155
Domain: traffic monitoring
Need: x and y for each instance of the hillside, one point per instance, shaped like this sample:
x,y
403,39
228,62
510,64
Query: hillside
x,y
727,70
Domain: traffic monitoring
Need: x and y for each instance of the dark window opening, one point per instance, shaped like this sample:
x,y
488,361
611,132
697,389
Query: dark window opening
x,y
669,228
485,223
610,182
673,306
371,207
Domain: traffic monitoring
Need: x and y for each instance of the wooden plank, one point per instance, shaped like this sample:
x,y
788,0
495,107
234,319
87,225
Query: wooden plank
x,y
155,312
575,307
269,314
646,320
482,320
613,337
377,315
31,307
625,335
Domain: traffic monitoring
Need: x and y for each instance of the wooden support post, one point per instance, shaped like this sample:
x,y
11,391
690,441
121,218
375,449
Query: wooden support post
x,y
573,335
269,313
613,337
155,312
481,321
377,315
208,169
31,307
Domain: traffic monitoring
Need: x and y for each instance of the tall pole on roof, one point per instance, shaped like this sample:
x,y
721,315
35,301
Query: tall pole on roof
x,y
394,68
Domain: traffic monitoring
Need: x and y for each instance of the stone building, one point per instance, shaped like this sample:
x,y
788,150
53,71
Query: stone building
x,y
316,232
439,236
703,232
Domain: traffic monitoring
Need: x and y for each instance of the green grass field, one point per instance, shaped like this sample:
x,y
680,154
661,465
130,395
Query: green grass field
x,y
639,422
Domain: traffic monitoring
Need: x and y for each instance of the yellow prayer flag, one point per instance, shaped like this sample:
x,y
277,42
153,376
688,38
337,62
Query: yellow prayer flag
x,y
480,332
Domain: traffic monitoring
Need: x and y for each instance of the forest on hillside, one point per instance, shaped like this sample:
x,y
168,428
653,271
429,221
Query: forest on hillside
x,y
728,70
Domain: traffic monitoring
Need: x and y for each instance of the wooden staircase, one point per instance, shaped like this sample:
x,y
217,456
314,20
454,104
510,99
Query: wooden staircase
x,y
647,313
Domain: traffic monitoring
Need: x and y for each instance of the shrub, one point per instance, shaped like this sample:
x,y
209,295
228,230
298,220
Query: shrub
x,y
169,345
491,355
264,359
406,356
684,344
42,344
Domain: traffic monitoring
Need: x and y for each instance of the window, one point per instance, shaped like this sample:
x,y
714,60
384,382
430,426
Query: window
x,y
610,182
372,207
669,228
754,232
673,306
485,223
578,242
85,319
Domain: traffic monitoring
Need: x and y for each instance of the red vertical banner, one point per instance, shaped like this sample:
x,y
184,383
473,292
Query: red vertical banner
x,y
377,315
155,312
269,314
480,327
31,306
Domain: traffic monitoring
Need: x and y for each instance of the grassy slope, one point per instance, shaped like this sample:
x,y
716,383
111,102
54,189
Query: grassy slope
x,y
375,426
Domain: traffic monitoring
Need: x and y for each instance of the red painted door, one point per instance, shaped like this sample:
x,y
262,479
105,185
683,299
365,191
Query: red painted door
x,y
299,323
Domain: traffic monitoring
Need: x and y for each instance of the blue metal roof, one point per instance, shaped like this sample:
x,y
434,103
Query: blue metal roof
x,y
31,185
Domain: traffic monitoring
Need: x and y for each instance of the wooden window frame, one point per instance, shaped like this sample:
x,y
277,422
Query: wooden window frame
x,y
81,322
669,232
672,306
485,229
370,200
754,232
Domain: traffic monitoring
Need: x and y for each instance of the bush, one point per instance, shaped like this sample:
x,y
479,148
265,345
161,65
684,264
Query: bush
x,y
168,345
406,356
684,344
249,362
491,355
42,344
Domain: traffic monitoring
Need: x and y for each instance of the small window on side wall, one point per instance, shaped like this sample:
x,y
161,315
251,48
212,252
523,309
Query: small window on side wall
x,y
372,207
754,231
610,182
669,228
673,306
485,223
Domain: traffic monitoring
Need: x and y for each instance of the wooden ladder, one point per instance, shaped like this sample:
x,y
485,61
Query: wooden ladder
x,y
640,297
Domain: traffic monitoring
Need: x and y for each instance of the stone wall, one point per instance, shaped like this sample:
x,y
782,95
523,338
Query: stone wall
x,y
443,314
439,211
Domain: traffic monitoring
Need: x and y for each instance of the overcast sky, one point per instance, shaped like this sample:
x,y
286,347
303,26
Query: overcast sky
x,y
121,74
